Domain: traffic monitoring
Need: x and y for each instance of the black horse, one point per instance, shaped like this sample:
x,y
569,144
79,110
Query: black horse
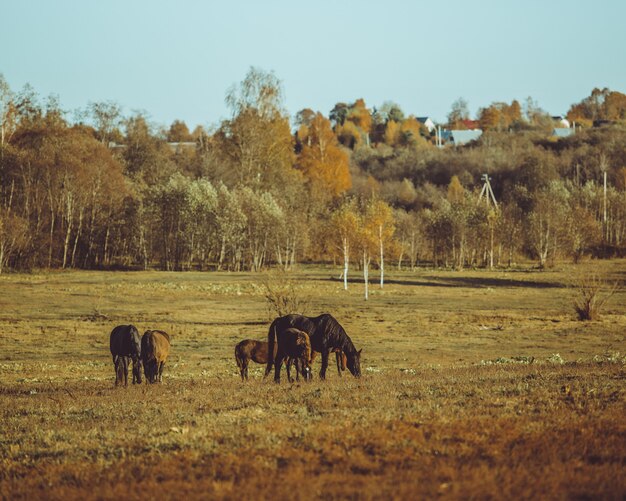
x,y
326,335
125,344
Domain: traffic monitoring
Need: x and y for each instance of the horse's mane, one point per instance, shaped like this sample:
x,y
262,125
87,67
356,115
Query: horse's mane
x,y
332,330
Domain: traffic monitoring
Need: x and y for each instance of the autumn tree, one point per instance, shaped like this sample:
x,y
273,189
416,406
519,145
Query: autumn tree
x,y
179,132
256,146
500,116
106,117
379,222
602,104
322,160
344,228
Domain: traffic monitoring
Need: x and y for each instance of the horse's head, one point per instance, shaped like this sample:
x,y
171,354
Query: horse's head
x,y
353,360
137,369
306,373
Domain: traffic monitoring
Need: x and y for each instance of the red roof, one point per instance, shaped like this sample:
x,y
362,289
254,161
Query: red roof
x,y
471,124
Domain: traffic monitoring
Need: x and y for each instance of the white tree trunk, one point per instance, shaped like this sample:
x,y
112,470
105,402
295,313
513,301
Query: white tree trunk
x,y
366,265
346,262
382,257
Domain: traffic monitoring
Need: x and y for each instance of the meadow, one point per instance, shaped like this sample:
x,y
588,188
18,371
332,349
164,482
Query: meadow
x,y
475,384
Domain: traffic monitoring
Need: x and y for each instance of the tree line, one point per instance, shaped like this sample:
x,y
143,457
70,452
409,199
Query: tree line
x,y
360,187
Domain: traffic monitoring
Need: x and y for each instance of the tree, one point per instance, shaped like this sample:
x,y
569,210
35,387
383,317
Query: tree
x,y
8,113
344,227
366,241
179,132
255,147
379,222
106,117
14,236
260,91
360,116
338,114
322,160
390,111
458,112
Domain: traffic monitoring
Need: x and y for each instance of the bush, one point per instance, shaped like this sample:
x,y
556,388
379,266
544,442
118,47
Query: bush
x,y
283,296
592,293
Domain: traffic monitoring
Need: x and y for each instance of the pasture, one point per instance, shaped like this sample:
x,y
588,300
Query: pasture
x,y
475,384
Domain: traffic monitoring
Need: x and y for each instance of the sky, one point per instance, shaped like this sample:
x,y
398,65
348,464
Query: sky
x,y
177,60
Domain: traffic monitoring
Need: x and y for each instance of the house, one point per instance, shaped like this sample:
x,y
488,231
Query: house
x,y
461,137
560,133
427,122
470,124
561,122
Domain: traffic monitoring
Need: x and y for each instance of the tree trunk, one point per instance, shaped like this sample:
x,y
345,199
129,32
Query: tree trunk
x,y
346,262
366,264
382,257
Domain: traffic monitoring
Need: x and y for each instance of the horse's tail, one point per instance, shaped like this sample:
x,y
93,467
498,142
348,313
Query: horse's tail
x,y
238,358
271,343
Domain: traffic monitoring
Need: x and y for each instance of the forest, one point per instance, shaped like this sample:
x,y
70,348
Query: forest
x,y
357,187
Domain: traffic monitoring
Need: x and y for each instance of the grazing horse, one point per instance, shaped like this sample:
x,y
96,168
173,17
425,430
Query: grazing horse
x,y
325,334
125,345
250,349
155,347
340,357
294,345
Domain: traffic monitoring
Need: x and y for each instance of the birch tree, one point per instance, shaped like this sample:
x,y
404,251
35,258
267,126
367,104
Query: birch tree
x,y
379,219
345,226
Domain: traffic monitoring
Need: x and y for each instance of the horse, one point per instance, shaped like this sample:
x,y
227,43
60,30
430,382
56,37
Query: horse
x,y
325,334
125,345
250,349
294,345
155,347
340,357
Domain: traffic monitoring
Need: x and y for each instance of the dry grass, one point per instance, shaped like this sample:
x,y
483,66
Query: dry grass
x,y
475,384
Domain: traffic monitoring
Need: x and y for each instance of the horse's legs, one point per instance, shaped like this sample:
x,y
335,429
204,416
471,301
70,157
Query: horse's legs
x,y
289,362
125,366
324,364
278,362
161,365
338,356
118,369
243,369
136,370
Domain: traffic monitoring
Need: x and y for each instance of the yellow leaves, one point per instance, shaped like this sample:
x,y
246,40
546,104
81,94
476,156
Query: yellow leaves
x,y
392,133
456,192
349,134
322,160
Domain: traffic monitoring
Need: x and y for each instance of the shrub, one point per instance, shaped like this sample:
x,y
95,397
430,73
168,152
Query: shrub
x,y
592,293
283,296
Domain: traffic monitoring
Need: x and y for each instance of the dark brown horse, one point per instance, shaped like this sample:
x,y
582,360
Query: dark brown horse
x,y
250,349
293,345
325,334
155,347
125,345
340,358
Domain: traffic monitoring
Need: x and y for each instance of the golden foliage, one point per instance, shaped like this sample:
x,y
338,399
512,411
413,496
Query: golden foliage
x,y
322,160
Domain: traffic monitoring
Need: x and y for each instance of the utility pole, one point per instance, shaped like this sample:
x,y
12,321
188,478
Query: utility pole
x,y
487,192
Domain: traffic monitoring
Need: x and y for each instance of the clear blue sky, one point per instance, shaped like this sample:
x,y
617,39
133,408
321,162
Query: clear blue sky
x,y
176,60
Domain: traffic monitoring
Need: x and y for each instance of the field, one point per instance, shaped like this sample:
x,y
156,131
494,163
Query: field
x,y
475,384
